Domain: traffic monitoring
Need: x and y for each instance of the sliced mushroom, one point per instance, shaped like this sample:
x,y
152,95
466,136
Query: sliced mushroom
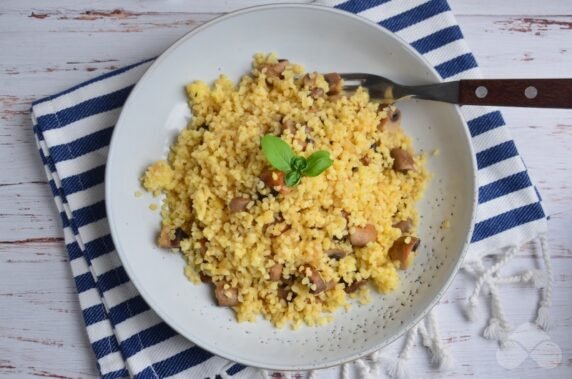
x,y
364,235
317,92
226,297
205,278
238,204
180,235
336,254
394,114
274,180
165,240
402,160
275,70
401,250
309,80
356,285
203,246
275,272
392,121
330,284
283,292
335,81
365,160
289,125
404,225
316,280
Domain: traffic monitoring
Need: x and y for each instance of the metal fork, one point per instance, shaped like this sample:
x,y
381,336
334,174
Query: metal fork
x,y
540,93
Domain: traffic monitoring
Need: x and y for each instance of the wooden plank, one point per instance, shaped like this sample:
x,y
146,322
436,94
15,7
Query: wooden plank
x,y
460,7
521,7
39,302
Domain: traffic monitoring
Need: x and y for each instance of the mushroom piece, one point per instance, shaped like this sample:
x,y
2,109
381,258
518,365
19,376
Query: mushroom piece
x,y
309,80
283,292
316,93
356,285
330,284
365,160
226,297
165,240
238,204
404,225
401,250
335,81
289,125
274,179
275,272
202,246
275,70
392,122
336,254
205,278
402,160
316,280
362,236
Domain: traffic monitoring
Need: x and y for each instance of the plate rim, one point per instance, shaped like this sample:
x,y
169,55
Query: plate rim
x,y
163,314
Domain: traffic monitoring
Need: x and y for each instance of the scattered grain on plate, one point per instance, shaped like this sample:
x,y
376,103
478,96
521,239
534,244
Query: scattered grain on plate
x,y
446,224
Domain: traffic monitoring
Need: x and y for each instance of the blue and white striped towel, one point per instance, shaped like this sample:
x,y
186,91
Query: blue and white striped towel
x,y
73,130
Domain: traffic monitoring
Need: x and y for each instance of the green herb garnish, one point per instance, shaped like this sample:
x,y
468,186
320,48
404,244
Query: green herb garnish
x,y
281,156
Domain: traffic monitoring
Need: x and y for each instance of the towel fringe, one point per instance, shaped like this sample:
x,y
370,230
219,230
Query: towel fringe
x,y
498,326
396,368
543,318
346,371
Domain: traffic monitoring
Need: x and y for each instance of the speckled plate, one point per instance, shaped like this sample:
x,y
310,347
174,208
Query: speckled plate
x,y
322,39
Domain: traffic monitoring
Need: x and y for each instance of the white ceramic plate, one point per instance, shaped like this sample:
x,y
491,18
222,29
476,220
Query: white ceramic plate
x,y
322,39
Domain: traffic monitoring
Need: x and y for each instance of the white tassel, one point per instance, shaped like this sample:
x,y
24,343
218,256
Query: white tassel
x,y
376,361
534,276
425,339
485,278
446,362
537,278
346,371
362,368
264,374
543,318
397,368
494,331
498,328
471,310
441,356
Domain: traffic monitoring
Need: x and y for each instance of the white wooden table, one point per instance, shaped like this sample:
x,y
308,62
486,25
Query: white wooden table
x,y
47,46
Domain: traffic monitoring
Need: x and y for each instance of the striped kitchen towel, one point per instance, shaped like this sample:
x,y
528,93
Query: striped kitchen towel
x,y
73,130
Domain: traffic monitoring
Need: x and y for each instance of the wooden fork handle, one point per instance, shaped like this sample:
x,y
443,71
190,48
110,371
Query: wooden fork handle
x,y
535,93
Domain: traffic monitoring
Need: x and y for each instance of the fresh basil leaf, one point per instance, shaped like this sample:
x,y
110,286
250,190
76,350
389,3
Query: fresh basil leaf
x,y
298,164
292,178
277,152
318,163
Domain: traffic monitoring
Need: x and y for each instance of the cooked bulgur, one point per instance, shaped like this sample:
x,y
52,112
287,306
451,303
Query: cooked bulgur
x,y
292,254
